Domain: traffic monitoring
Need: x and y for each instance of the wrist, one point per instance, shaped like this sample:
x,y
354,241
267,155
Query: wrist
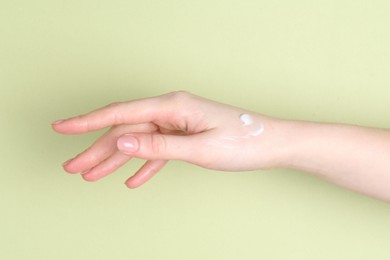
x,y
301,143
285,142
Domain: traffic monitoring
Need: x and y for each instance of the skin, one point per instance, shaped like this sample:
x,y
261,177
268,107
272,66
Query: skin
x,y
182,126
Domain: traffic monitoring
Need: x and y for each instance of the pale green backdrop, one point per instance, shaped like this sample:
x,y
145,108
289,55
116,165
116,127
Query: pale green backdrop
x,y
323,60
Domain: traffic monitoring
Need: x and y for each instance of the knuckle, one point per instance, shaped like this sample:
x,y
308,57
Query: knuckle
x,y
118,118
92,159
150,167
181,96
88,158
115,165
114,111
84,122
113,104
176,103
158,143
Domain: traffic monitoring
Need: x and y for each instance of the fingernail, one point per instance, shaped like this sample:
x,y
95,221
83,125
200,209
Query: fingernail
x,y
57,122
67,162
130,185
128,144
86,171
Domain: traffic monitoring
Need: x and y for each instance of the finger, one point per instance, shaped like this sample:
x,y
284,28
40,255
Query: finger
x,y
145,173
134,112
106,167
104,147
157,146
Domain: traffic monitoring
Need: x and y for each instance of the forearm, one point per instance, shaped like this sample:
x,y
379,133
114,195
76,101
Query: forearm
x,y
354,157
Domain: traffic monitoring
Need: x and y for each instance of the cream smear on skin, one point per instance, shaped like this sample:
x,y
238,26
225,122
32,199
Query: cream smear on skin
x,y
249,129
254,128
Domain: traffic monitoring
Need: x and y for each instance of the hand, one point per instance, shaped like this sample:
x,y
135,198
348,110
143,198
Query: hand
x,y
174,126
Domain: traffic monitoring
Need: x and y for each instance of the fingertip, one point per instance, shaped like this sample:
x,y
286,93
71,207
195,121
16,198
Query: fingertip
x,y
54,127
66,167
67,162
131,184
69,170
59,126
89,177
71,126
145,173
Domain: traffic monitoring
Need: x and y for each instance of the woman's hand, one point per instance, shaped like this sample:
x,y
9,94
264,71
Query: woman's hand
x,y
181,126
174,126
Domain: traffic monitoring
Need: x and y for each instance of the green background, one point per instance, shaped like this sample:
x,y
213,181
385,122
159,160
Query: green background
x,y
313,60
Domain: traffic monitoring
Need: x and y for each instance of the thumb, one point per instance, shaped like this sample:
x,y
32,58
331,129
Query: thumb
x,y
156,146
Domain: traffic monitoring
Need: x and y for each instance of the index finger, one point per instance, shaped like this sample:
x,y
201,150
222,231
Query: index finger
x,y
133,112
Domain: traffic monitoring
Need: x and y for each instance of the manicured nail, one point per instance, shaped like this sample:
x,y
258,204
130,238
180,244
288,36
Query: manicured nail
x,y
128,144
57,122
67,162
